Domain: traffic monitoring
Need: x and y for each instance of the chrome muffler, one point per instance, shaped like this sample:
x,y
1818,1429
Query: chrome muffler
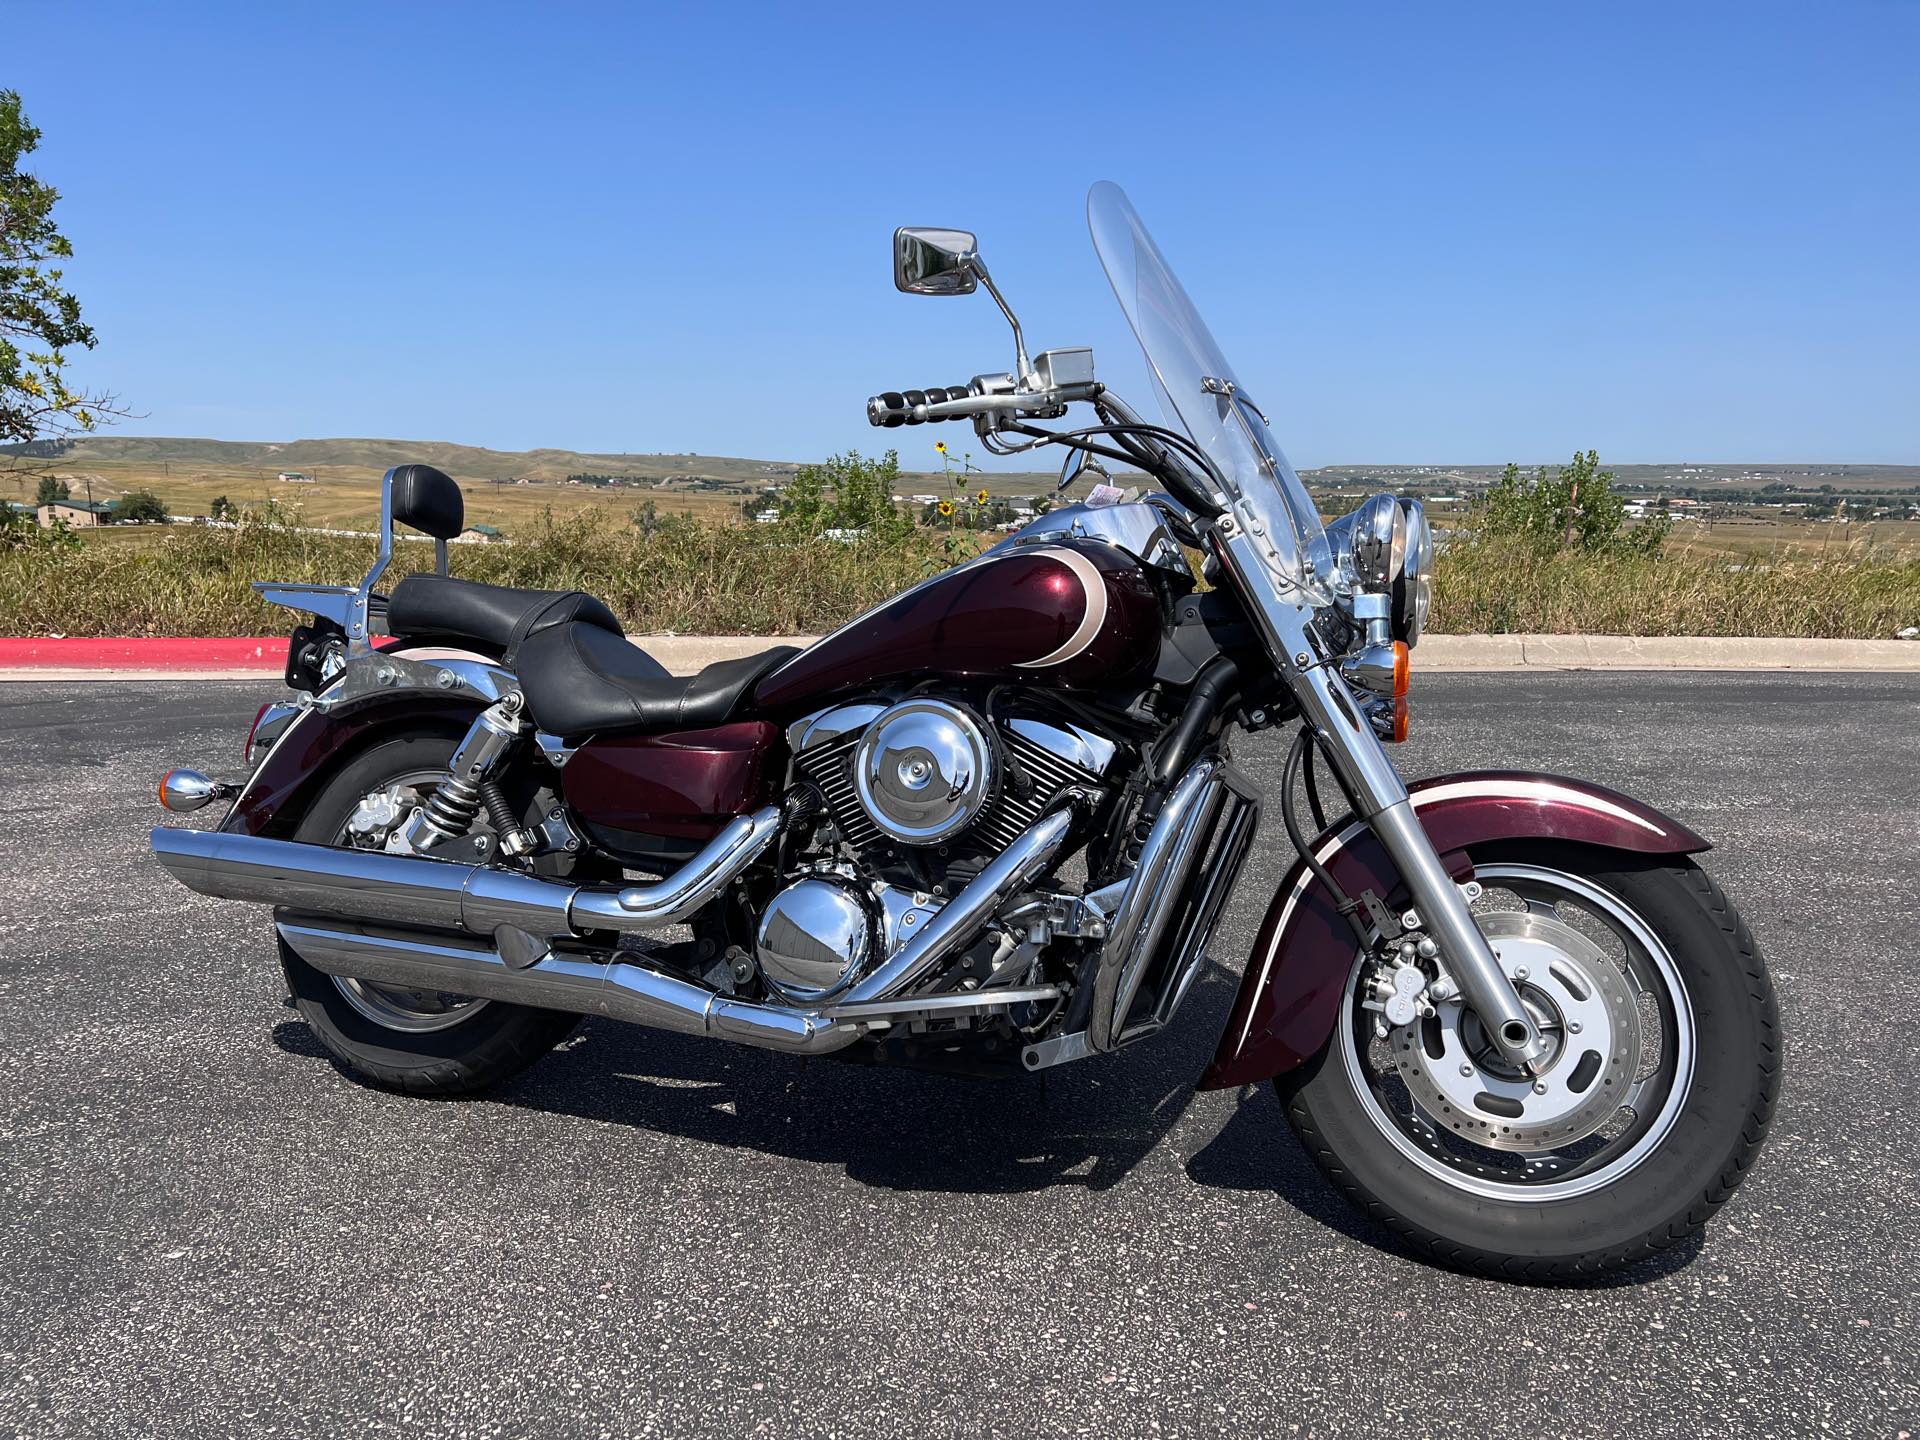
x,y
389,919
572,978
404,890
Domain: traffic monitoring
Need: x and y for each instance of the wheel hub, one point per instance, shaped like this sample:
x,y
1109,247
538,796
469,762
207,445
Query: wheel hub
x,y
1581,1003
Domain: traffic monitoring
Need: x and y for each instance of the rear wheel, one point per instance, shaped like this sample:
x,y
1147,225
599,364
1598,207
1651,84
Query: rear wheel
x,y
1651,1105
423,1042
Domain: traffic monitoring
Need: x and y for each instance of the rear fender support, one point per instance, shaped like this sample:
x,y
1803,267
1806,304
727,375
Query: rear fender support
x,y
1291,990
316,743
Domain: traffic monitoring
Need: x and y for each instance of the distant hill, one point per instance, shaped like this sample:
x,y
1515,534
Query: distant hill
x,y
136,459
463,462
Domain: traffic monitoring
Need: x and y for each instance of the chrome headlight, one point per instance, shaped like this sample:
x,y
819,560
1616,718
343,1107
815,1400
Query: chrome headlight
x,y
1371,543
1385,553
1413,588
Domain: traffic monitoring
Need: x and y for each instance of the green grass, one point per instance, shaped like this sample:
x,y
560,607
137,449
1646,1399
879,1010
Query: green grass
x,y
747,579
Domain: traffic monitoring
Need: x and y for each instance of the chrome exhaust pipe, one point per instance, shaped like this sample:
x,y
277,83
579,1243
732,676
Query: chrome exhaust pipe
x,y
962,918
401,889
393,920
618,986
571,978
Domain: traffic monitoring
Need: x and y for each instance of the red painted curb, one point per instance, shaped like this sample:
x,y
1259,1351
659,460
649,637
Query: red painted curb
x,y
267,654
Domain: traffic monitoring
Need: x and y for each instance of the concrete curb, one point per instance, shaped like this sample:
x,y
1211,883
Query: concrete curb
x,y
114,658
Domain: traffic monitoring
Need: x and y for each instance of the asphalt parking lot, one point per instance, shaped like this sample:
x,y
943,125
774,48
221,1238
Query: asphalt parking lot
x,y
206,1230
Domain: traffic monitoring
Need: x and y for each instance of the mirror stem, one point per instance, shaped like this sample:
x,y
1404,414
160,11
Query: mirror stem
x,y
1019,341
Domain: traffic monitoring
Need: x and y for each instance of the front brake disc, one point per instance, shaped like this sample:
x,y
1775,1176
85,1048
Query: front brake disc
x,y
1580,1000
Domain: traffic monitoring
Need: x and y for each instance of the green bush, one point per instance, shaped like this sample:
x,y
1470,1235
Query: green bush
x,y
141,507
1575,509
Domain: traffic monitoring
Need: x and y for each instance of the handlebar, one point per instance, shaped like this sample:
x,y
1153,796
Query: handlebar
x,y
915,407
965,402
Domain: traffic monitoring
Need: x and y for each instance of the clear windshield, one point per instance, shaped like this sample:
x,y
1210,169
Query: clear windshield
x,y
1201,395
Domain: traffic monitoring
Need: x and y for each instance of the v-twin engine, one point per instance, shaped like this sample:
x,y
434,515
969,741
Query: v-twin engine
x,y
931,772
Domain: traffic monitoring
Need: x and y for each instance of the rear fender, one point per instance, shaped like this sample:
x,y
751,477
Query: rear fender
x,y
317,743
1291,991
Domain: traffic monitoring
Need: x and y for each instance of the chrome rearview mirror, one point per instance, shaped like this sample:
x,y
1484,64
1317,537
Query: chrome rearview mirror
x,y
930,261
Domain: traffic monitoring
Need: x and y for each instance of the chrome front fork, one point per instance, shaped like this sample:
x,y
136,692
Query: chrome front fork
x,y
1327,705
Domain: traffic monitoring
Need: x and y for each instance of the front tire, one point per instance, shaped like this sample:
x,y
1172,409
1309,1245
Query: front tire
x,y
403,1040
1423,1132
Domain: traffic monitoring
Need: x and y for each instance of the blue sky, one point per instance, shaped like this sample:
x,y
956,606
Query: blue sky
x,y
1426,232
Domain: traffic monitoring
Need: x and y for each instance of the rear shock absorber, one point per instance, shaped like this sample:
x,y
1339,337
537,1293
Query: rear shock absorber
x,y
449,812
514,839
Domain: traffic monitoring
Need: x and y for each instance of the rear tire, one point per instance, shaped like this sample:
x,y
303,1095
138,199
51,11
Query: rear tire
x,y
1657,1191
494,1042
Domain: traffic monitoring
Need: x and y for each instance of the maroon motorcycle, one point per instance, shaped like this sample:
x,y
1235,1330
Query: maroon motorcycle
x,y
989,827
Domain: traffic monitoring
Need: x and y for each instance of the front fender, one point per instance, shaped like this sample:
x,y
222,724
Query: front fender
x,y
1291,991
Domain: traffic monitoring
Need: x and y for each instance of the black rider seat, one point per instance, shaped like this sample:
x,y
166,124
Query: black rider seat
x,y
581,679
579,672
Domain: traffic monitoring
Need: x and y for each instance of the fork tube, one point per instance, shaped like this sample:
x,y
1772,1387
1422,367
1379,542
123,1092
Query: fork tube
x,y
1375,785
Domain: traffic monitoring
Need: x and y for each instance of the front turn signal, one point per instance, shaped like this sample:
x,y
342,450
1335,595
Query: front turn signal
x,y
1400,671
1399,718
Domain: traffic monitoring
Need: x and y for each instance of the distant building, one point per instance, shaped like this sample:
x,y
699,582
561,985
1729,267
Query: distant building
x,y
481,535
75,513
294,477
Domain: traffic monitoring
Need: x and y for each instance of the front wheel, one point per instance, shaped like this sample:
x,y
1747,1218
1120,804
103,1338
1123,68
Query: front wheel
x,y
1650,1108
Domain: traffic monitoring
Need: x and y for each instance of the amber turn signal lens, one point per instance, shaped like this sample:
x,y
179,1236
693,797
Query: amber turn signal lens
x,y
1399,718
1400,675
182,790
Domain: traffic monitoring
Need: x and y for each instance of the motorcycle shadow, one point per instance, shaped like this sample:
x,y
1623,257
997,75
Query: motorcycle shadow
x,y
1256,1151
1088,1123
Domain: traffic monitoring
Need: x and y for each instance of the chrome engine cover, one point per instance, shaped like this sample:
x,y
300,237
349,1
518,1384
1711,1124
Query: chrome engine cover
x,y
814,940
924,770
1036,759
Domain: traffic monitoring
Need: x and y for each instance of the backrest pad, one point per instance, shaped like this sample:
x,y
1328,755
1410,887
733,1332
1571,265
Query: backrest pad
x,y
428,500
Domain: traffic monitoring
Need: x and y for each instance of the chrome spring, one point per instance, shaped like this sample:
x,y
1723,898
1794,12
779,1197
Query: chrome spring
x,y
452,806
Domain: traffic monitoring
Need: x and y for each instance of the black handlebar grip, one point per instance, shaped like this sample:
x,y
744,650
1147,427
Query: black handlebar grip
x,y
893,408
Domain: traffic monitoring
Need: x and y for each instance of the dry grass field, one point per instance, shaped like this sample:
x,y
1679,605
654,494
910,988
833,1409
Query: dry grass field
x,y
508,490
1753,575
1749,539
348,497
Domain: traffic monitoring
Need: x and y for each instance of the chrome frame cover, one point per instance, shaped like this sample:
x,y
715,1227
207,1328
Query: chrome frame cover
x,y
1136,528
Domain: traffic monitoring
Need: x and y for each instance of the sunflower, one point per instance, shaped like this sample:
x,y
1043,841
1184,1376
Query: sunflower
x,y
946,507
941,446
980,498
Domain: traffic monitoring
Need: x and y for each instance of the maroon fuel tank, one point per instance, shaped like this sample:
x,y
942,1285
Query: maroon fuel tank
x,y
1065,615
